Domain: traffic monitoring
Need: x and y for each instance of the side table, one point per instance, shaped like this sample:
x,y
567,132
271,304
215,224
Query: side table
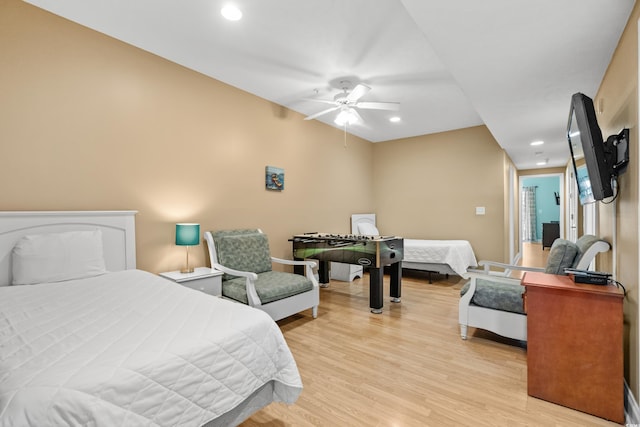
x,y
204,279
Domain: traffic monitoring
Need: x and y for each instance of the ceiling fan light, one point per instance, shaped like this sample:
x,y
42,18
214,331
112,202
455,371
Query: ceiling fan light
x,y
345,117
231,12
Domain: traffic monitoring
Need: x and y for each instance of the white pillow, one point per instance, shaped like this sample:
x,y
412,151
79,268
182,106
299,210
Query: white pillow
x,y
368,229
55,257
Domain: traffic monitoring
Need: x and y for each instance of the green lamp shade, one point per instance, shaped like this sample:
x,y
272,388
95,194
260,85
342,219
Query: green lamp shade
x,y
187,234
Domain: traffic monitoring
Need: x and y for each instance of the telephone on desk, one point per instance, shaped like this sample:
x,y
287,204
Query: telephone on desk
x,y
588,277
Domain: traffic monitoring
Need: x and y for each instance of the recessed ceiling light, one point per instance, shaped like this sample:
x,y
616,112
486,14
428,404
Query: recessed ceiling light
x,y
394,119
231,12
541,163
537,143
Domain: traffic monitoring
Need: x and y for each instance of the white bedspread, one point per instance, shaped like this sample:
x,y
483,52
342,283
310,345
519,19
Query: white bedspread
x,y
133,349
458,254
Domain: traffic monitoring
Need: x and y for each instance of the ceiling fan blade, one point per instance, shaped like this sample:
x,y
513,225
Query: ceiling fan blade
x,y
328,110
324,101
391,106
358,92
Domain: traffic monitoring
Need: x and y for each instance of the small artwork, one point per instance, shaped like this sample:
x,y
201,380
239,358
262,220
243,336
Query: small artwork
x,y
274,178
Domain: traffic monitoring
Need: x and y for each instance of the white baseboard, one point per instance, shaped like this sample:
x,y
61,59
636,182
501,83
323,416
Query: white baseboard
x,y
631,408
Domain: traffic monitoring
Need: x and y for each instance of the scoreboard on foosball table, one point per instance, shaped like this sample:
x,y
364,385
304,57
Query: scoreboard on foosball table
x,y
373,252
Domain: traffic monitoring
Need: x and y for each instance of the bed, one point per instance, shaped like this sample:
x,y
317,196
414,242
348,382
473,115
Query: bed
x,y
433,256
107,344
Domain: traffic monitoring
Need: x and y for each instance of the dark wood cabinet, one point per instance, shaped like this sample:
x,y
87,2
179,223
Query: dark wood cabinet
x,y
550,232
574,348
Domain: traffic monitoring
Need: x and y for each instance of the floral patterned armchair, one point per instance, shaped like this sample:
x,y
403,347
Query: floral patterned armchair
x,y
244,258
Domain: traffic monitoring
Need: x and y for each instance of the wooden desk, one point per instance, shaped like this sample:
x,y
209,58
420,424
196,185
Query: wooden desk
x,y
574,350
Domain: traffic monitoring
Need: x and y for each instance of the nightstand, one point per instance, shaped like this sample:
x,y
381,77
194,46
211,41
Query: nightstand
x,y
204,279
550,232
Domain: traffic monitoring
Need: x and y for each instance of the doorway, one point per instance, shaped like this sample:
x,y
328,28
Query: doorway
x,y
541,210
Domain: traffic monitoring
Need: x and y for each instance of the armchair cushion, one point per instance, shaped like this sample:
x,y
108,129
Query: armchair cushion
x,y
270,286
245,252
561,256
496,295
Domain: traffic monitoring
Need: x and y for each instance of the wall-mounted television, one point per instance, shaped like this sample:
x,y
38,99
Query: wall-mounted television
x,y
603,160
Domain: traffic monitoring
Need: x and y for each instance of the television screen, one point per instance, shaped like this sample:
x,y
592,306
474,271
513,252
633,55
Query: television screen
x,y
585,142
584,186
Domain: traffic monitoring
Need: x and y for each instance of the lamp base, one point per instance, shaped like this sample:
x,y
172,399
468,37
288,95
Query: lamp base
x,y
187,270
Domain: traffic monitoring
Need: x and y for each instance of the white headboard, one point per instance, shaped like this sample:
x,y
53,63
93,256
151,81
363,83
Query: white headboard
x,y
361,218
118,233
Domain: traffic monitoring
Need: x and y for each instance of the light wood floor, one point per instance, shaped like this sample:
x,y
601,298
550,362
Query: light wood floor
x,y
533,255
406,366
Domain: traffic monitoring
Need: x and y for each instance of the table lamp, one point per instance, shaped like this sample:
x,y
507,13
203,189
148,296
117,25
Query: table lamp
x,y
187,234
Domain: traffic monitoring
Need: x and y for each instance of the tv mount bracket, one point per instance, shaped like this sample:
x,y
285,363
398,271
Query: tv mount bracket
x,y
616,150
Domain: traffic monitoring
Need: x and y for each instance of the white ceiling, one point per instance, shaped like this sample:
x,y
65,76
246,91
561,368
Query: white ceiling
x,y
510,64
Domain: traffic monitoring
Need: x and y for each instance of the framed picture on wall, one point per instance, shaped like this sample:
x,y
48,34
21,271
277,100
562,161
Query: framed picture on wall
x,y
274,178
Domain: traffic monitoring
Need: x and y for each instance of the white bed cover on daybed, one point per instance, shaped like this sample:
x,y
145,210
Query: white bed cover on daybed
x,y
458,254
132,349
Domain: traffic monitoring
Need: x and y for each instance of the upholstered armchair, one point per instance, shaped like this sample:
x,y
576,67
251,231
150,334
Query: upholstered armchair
x,y
492,300
244,258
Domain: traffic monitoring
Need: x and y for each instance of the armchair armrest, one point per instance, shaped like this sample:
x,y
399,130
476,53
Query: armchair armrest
x,y
473,275
291,262
250,283
308,271
505,267
232,272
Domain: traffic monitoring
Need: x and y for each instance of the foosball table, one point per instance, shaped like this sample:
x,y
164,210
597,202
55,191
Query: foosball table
x,y
372,252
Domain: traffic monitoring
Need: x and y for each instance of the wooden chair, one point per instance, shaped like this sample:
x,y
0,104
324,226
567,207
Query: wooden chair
x,y
493,301
244,258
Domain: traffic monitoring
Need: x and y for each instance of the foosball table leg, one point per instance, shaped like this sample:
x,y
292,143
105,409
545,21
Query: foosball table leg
x,y
376,277
323,273
395,273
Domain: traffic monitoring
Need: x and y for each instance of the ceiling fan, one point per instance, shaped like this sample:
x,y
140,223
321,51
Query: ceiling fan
x,y
348,102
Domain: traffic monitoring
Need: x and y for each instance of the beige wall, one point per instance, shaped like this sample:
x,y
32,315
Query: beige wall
x,y
619,97
87,122
428,187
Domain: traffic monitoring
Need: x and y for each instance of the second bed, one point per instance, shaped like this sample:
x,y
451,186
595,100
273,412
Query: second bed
x,y
433,256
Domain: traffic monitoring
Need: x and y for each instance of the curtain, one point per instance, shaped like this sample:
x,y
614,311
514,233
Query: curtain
x,y
529,232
